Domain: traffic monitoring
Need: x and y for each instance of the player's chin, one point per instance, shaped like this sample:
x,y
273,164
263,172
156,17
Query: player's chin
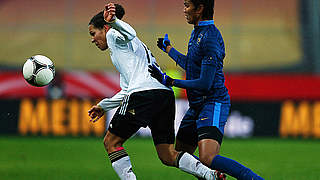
x,y
103,48
189,21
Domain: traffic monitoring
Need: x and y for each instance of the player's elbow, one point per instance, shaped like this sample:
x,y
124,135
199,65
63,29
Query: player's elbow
x,y
132,35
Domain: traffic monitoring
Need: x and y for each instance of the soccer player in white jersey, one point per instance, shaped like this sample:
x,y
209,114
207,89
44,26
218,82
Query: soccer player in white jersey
x,y
142,101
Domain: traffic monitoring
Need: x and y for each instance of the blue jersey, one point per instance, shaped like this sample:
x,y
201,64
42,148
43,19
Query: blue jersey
x,y
203,65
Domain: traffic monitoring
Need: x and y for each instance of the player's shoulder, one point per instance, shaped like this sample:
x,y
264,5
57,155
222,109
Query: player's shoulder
x,y
213,40
212,34
114,34
212,30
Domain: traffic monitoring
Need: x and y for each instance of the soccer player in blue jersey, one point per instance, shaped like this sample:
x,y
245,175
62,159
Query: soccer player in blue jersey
x,y
209,101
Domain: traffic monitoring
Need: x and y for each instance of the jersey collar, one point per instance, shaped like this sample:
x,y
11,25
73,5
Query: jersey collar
x,y
206,23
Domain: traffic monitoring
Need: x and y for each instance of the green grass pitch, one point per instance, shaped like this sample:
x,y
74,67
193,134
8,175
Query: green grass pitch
x,y
84,158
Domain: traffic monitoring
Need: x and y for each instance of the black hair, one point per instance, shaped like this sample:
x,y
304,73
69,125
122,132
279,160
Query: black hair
x,y
98,20
208,6
119,11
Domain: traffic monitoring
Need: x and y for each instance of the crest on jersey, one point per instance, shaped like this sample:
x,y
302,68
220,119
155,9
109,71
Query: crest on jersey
x,y
199,38
132,112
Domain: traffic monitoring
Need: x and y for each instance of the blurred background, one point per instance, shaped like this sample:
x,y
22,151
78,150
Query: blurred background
x,y
260,36
272,69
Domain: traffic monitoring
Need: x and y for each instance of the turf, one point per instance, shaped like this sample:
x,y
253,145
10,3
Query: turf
x,y
84,158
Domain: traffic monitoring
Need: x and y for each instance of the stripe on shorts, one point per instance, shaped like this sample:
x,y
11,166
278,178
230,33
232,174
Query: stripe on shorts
x,y
124,105
216,114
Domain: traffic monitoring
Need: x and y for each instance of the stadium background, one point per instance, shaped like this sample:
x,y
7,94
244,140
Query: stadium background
x,y
272,71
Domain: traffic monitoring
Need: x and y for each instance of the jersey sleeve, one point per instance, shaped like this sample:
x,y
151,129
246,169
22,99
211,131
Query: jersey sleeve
x,y
211,50
203,83
179,58
115,101
126,31
109,103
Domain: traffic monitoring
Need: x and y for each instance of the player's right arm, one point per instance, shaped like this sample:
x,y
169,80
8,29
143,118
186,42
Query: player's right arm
x,y
115,101
110,103
97,111
106,104
164,45
127,32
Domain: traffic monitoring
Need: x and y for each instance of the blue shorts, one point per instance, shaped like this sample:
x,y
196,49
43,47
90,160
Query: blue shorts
x,y
209,119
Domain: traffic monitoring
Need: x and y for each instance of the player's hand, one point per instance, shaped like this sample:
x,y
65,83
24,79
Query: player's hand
x,y
109,13
160,76
163,43
95,113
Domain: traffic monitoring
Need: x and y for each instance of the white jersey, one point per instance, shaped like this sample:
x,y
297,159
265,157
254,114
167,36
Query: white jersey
x,y
131,58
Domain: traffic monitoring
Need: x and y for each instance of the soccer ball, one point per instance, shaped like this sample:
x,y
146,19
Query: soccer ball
x,y
38,70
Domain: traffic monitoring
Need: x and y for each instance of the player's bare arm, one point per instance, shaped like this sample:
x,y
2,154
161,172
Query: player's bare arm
x,y
109,13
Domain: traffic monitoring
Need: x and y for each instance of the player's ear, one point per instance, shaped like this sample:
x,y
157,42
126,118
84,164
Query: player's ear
x,y
200,9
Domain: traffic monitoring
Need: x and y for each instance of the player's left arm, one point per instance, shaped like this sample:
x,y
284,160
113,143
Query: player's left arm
x,y
204,82
124,28
209,66
211,48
